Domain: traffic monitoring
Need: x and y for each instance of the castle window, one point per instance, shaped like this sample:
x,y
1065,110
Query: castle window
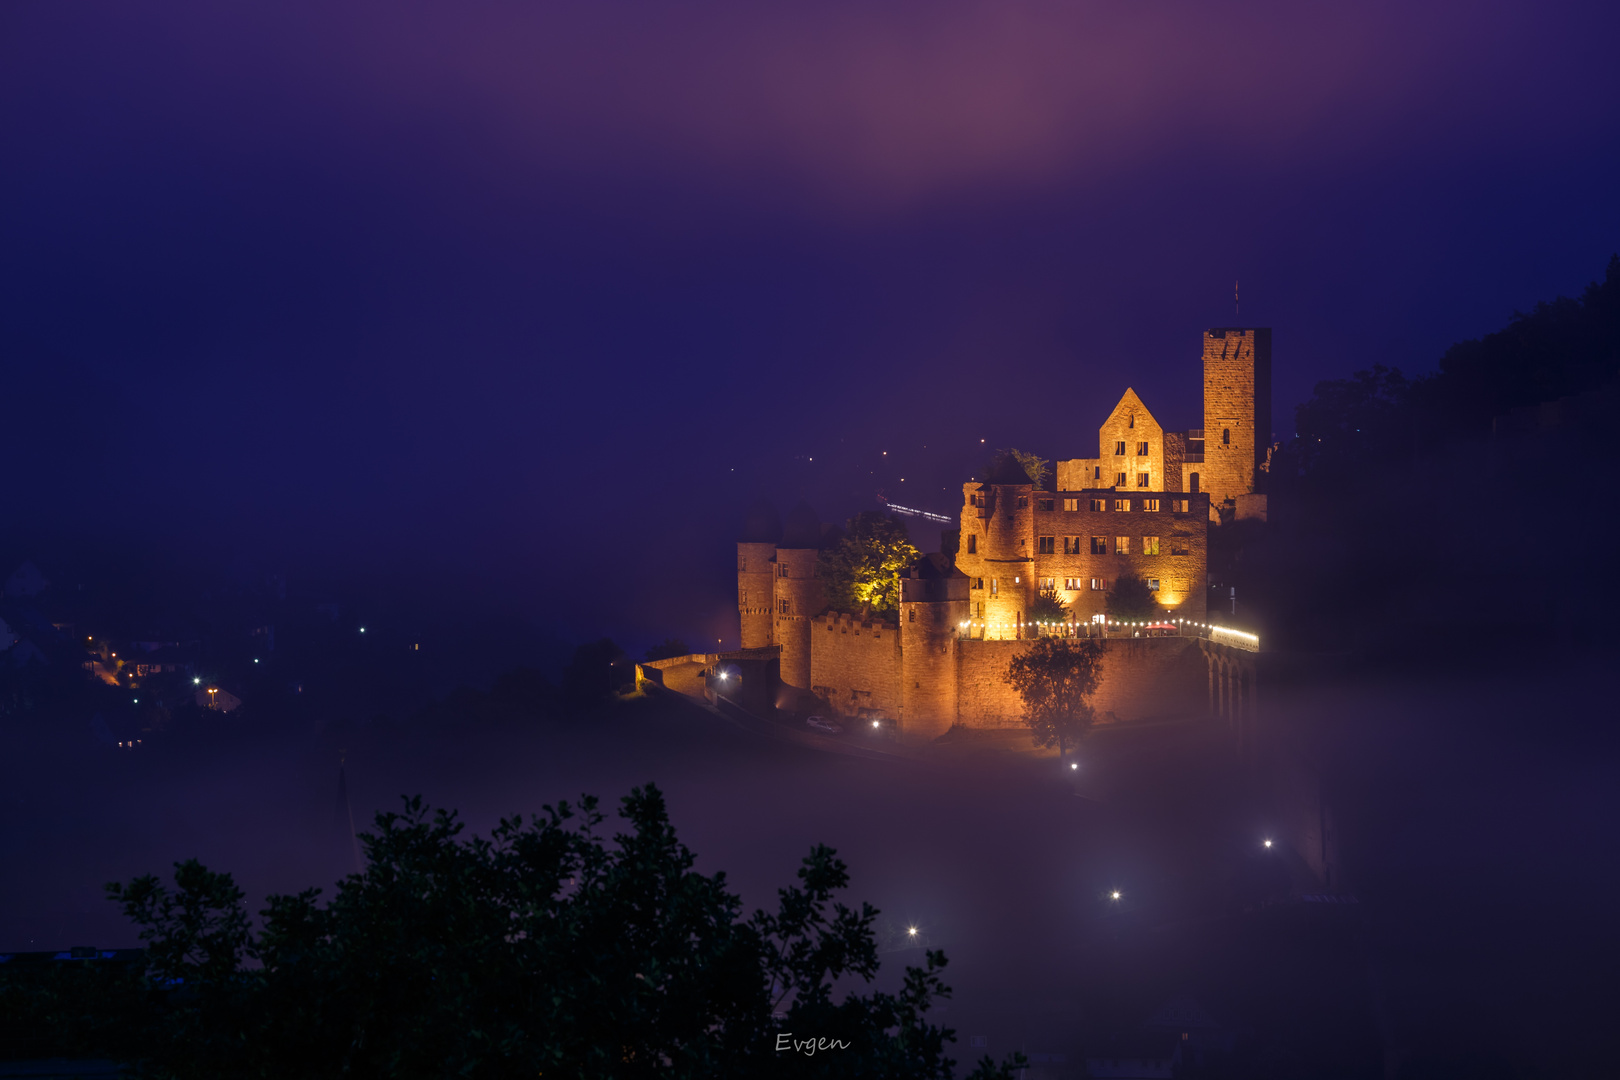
x,y
781,571
1150,505
1122,505
1122,545
1119,479
1099,505
1071,504
1099,545
1023,502
1130,421
782,606
1141,479
1071,584
742,597
1071,545
1048,583
742,562
1192,483
1174,550
978,583
993,586
1141,449
1226,436
973,544
1096,472
1043,504
981,609
1150,545
1101,584
1119,448
1179,505
1046,545
1153,584
911,615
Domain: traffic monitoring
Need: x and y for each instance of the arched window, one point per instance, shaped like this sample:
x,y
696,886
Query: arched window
x,y
1226,436
1192,481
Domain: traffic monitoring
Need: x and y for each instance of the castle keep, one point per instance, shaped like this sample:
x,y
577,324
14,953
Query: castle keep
x,y
1141,506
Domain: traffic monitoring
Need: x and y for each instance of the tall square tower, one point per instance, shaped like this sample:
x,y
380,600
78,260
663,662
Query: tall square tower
x,y
1237,410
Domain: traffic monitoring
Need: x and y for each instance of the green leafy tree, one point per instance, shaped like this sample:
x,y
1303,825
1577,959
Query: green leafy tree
x,y
1049,606
1035,467
862,570
542,950
1130,600
1055,678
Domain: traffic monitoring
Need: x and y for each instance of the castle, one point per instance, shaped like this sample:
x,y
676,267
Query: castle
x,y
1141,506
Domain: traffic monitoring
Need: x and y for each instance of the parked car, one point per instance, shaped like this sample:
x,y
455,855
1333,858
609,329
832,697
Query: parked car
x,y
821,723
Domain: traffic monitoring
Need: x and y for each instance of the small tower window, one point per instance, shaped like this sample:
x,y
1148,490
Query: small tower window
x,y
781,571
911,615
1226,436
973,543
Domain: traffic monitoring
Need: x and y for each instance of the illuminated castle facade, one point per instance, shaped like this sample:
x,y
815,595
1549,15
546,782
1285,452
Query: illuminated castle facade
x,y
1141,506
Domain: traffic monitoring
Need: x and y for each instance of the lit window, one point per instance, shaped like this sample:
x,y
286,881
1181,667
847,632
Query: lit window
x,y
1150,545
1099,505
1043,504
1100,584
1122,545
1150,505
1119,448
1099,545
1071,584
1047,583
1141,449
1153,584
1141,479
1071,504
1046,545
992,586
1122,505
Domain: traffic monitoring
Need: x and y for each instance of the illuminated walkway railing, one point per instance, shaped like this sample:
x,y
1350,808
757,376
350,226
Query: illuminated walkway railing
x,y
1110,630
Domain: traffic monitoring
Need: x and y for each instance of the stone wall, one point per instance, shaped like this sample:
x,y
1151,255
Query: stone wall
x,y
756,597
1142,679
855,665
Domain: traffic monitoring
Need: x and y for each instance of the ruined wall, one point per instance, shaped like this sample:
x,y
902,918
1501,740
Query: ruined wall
x,y
1142,679
855,665
1237,409
1182,537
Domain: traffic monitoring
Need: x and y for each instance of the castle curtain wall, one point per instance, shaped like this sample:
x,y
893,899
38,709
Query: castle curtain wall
x,y
855,665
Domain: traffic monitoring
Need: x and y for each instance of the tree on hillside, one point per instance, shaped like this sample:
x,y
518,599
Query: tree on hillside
x,y
669,648
1049,606
541,950
861,572
1130,600
1035,467
1055,679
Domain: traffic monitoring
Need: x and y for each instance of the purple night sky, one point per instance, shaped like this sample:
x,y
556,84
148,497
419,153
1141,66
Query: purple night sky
x,y
522,303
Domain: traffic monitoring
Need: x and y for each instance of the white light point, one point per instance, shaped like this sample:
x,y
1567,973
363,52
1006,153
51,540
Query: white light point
x,y
1114,895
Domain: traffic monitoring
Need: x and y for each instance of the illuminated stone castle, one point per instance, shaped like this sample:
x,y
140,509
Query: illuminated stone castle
x,y
1141,506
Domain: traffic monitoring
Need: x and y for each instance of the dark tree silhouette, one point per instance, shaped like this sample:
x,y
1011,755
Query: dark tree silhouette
x,y
1055,678
1130,600
543,949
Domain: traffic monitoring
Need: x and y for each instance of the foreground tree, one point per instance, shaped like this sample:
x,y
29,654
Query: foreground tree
x,y
1055,679
541,950
861,572
1130,600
